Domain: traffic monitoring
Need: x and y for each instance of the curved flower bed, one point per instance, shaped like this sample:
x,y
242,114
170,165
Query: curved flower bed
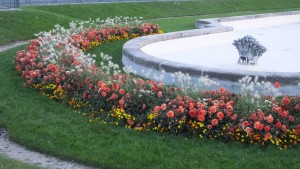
x,y
56,66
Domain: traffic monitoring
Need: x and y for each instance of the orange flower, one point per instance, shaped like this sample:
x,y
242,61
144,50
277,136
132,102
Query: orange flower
x,y
220,115
214,122
170,114
270,119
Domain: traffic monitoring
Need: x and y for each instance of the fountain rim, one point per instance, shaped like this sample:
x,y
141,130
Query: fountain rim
x,y
132,51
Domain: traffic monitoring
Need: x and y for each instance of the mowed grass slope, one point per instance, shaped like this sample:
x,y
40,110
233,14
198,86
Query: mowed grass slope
x,y
49,127
20,25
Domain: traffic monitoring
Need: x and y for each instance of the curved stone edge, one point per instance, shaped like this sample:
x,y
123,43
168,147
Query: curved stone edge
x,y
133,56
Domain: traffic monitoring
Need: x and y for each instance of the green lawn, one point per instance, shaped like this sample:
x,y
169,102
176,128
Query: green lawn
x,y
6,163
50,127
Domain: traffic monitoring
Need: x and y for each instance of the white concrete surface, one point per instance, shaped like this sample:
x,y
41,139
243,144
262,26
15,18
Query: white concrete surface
x,y
280,35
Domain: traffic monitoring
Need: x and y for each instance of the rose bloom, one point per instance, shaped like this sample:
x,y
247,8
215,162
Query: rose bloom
x,y
209,126
291,118
201,118
170,114
214,122
57,80
279,110
213,109
270,119
220,115
103,94
267,128
163,106
159,94
284,113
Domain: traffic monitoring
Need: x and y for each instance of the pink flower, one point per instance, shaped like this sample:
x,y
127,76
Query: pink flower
x,y
267,128
284,113
214,122
213,109
234,117
283,127
209,126
291,118
170,114
246,123
159,94
278,124
270,119
220,115
57,80
163,106
156,109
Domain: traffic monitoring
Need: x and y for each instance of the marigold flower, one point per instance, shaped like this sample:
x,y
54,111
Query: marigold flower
x,y
220,115
270,119
291,118
170,114
214,122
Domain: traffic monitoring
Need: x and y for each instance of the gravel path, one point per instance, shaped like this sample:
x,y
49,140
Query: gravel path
x,y
17,152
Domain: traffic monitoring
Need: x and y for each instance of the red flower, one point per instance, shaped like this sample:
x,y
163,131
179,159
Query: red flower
x,y
267,128
201,117
246,123
163,106
276,84
57,80
122,91
291,118
214,122
213,109
209,126
220,115
84,95
116,87
286,101
170,114
278,124
193,113
284,113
